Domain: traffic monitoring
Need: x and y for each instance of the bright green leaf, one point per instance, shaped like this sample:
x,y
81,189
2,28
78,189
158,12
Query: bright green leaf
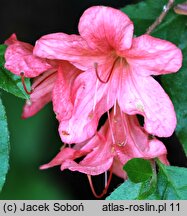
x,y
133,191
4,145
10,82
138,170
172,182
173,28
126,191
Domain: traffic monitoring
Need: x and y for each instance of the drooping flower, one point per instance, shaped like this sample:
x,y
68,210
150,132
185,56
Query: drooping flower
x,y
48,77
120,139
118,69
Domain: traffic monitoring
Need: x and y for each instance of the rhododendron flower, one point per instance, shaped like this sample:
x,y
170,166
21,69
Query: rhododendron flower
x,y
48,84
120,139
118,68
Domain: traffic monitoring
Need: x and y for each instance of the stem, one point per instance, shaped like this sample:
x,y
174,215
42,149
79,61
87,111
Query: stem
x,y
161,17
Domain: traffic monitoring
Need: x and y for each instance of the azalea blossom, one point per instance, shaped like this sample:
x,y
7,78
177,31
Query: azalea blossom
x,y
120,139
118,69
49,76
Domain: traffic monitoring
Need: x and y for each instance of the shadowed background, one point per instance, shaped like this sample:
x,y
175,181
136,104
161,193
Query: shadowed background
x,y
35,141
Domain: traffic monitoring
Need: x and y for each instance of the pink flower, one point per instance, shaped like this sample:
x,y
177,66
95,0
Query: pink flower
x,y
41,93
119,140
55,85
19,58
118,69
52,78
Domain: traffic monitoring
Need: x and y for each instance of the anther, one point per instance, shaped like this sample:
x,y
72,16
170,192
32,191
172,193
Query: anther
x,y
65,133
23,83
110,73
105,189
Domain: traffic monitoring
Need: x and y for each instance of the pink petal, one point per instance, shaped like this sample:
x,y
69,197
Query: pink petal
x,y
117,169
11,40
98,160
90,168
72,48
144,96
61,96
63,155
163,159
91,100
41,95
155,149
19,58
138,144
106,29
153,56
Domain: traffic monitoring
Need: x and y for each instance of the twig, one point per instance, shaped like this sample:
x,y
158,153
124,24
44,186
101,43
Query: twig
x,y
161,17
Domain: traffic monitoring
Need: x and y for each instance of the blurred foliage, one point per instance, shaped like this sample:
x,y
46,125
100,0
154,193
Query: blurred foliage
x,y
33,143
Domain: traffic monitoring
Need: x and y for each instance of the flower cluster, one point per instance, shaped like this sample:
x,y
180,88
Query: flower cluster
x,y
103,70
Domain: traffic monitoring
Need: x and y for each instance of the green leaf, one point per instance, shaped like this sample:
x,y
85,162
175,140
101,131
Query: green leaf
x,y
133,191
171,184
126,191
10,82
138,170
4,145
173,28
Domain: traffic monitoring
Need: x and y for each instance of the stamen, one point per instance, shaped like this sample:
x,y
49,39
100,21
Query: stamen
x,y
124,129
43,78
106,178
110,125
105,189
111,70
23,83
95,95
63,146
114,107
